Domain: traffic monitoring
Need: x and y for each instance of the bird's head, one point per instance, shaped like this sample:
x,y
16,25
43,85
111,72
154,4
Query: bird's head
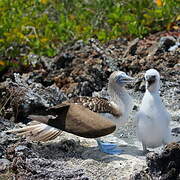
x,y
120,78
152,79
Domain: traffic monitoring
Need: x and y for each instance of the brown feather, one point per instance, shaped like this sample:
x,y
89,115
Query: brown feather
x,y
36,131
96,104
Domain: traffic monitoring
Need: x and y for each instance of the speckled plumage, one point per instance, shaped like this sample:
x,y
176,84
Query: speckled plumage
x,y
96,104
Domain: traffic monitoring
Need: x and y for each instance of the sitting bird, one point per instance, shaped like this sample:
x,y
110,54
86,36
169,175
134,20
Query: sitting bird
x,y
152,119
117,109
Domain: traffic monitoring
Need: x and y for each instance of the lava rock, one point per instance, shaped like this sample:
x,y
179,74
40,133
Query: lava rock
x,y
31,98
68,145
142,175
132,47
167,164
166,42
4,163
176,130
63,60
20,148
2,151
164,166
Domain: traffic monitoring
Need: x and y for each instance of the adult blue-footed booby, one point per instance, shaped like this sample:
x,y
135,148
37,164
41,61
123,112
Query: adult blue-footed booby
x,y
117,109
152,119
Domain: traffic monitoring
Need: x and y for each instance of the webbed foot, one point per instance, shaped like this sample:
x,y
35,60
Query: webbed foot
x,y
109,148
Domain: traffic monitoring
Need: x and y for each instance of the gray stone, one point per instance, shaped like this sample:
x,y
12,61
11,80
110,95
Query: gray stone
x,y
4,163
132,47
166,42
20,148
33,97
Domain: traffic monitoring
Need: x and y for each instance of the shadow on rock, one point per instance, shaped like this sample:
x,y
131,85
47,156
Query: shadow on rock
x,y
164,166
68,149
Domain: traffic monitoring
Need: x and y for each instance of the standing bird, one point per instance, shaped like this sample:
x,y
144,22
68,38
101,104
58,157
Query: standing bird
x,y
117,109
153,119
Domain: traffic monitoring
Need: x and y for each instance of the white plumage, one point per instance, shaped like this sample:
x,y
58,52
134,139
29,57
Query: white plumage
x,y
153,119
120,97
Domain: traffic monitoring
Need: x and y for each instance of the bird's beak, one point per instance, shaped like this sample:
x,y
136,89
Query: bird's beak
x,y
150,79
126,79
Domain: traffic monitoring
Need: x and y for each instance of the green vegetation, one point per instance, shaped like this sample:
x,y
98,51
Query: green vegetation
x,y
41,26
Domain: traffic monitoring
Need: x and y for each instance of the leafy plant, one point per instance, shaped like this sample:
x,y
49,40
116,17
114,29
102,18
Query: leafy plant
x,y
42,26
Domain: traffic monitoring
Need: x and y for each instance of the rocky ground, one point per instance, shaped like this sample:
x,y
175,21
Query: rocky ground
x,y
82,69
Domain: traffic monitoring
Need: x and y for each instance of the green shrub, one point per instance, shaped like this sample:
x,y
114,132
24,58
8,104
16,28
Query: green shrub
x,y
41,26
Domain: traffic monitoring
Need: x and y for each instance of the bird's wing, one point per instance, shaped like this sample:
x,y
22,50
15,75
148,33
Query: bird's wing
x,y
36,131
141,115
97,104
168,118
143,122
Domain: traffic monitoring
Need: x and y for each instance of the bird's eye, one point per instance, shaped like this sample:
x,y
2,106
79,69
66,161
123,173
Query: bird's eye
x,y
118,79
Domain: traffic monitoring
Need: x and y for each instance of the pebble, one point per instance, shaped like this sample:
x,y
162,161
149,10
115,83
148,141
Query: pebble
x,y
4,163
20,148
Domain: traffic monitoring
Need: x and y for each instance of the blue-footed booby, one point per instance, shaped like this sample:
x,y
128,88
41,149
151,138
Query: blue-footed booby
x,y
153,119
116,109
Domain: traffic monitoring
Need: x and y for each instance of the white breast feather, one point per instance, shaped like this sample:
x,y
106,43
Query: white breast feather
x,y
153,122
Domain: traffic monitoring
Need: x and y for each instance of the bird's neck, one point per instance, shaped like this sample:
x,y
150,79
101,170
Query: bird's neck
x,y
154,88
151,98
152,92
122,99
116,92
119,95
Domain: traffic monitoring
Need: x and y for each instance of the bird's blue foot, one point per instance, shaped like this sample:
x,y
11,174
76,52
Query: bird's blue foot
x,y
109,148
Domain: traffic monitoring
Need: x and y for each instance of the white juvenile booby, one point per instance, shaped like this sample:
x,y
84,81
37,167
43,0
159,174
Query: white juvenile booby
x,y
152,119
117,109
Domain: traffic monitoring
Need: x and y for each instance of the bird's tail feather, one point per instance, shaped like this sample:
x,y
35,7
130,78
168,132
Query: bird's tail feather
x,y
36,131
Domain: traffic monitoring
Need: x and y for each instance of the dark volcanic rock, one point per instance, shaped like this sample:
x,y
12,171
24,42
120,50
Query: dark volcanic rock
x,y
166,42
132,48
166,164
176,130
4,163
83,70
163,166
27,161
20,159
30,97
